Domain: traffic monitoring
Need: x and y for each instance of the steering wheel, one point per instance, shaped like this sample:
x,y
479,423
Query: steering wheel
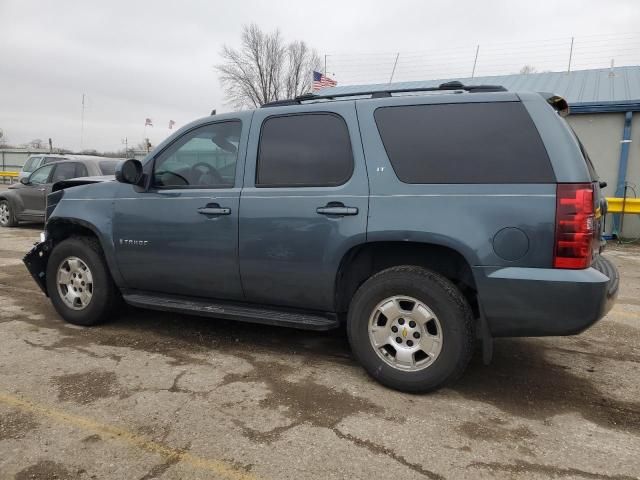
x,y
159,173
209,171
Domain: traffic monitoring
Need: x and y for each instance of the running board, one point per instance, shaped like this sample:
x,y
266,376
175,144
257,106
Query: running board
x,y
228,311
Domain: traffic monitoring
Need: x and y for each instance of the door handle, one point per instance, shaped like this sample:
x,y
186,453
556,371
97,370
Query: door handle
x,y
41,189
337,208
214,209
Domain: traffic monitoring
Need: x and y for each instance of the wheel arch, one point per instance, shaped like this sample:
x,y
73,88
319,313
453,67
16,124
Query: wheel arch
x,y
61,228
14,201
366,259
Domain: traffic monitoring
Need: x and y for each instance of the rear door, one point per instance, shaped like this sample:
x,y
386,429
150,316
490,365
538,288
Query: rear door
x,y
304,203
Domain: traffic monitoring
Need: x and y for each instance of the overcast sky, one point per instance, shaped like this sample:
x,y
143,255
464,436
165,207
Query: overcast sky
x,y
138,59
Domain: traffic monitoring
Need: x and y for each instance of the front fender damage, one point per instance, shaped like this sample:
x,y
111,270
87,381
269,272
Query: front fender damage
x,y
36,262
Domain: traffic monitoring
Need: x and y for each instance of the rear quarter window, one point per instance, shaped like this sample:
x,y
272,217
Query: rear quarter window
x,y
108,167
464,143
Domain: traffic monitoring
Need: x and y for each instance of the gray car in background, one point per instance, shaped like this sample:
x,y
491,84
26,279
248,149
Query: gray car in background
x,y
26,201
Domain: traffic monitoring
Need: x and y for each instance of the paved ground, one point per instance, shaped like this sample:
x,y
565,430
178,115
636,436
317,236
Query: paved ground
x,y
155,395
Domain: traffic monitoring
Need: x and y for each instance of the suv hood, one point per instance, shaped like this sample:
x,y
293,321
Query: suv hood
x,y
74,182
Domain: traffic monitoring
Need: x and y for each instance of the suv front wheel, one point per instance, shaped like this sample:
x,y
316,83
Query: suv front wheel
x,y
7,219
79,283
411,329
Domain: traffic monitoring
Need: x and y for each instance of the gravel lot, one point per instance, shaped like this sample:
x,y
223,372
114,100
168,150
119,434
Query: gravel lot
x,y
154,395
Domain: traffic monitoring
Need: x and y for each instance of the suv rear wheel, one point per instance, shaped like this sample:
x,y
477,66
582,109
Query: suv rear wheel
x,y
411,329
79,283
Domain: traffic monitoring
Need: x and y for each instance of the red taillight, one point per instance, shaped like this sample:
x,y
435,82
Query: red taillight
x,y
575,218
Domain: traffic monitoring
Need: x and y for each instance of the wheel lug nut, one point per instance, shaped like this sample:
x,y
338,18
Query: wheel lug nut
x,y
410,343
401,321
416,335
398,339
394,329
412,324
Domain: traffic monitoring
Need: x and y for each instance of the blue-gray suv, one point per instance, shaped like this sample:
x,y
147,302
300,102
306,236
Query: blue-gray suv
x,y
425,221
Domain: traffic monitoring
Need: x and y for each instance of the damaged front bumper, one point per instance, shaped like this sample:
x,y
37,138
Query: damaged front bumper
x,y
36,262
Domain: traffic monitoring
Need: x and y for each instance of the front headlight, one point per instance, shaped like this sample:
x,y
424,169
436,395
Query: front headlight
x,y
43,237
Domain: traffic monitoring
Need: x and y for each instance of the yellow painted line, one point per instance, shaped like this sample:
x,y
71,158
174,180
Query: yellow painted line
x,y
631,205
220,468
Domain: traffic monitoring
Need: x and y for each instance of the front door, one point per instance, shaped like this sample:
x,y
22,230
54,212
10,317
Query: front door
x,y
34,194
304,204
180,235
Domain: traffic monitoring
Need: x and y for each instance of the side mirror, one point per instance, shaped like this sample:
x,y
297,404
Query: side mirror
x,y
129,171
24,180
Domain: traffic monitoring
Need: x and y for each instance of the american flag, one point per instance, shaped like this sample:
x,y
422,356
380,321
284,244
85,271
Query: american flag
x,y
321,81
148,122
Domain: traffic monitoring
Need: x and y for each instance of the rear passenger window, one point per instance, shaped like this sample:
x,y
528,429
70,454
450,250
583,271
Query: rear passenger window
x,y
464,143
63,171
306,150
108,167
81,170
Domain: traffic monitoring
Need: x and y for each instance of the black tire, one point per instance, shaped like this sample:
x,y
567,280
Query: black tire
x,y
11,220
105,300
447,303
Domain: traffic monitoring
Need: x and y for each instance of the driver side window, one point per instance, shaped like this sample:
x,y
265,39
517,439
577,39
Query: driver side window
x,y
203,158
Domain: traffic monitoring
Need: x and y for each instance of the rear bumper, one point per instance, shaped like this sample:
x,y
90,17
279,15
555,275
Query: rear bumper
x,y
522,302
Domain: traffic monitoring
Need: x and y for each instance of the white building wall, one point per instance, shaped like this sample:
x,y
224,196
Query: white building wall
x,y
601,134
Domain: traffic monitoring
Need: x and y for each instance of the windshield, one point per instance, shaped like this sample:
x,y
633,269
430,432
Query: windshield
x,y
31,164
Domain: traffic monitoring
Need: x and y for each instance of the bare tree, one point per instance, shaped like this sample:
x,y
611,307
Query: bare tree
x,y
36,143
301,62
265,68
527,69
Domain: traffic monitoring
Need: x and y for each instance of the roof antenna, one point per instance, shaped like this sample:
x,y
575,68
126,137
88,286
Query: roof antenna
x,y
213,112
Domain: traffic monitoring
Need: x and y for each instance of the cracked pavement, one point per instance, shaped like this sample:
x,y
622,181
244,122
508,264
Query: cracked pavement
x,y
166,396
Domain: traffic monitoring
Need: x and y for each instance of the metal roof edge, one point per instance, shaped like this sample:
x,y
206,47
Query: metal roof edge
x,y
604,107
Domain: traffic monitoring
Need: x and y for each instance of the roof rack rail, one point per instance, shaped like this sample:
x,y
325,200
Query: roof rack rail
x,y
387,93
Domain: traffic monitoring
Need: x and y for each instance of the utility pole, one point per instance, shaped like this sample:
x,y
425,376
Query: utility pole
x,y
570,56
394,68
82,125
325,64
475,61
